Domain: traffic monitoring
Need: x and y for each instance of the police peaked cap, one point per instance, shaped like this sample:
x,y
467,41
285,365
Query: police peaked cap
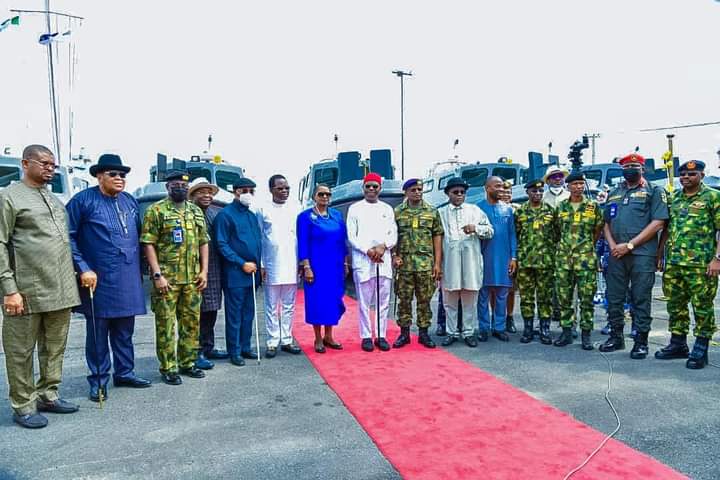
x,y
177,175
692,166
537,183
456,182
244,182
574,177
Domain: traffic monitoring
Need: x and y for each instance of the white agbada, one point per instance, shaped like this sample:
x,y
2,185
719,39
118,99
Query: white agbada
x,y
279,242
462,257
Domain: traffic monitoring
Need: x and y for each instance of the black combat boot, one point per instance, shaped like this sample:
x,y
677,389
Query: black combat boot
x,y
640,348
677,348
527,334
545,335
565,338
424,338
615,342
403,339
586,343
699,356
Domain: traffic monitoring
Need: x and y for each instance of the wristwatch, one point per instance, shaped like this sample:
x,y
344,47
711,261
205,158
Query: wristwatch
x,y
630,246
157,275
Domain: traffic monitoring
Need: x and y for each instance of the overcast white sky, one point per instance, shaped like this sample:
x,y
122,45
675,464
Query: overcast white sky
x,y
274,80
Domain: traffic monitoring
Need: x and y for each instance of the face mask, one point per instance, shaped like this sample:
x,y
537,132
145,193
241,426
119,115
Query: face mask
x,y
246,199
632,175
178,194
556,190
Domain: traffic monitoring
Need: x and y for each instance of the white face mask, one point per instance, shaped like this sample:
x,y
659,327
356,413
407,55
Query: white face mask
x,y
246,199
556,190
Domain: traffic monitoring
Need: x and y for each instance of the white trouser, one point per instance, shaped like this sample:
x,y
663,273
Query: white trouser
x,y
366,297
279,311
468,299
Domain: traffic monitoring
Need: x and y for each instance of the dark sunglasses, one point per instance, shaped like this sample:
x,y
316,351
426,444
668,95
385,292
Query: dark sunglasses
x,y
371,186
113,174
324,194
457,192
688,174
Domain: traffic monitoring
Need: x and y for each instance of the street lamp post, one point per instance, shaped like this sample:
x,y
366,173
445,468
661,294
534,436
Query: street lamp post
x,y
402,76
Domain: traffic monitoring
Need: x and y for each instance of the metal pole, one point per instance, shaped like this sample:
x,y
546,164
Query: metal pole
x,y
53,105
402,74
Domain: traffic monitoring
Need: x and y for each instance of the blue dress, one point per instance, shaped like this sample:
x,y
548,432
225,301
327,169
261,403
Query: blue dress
x,y
322,240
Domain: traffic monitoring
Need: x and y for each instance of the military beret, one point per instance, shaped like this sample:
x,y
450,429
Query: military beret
x,y
411,183
632,158
692,166
537,183
456,182
244,182
177,175
574,177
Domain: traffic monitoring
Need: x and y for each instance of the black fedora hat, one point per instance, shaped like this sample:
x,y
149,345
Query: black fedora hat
x,y
108,161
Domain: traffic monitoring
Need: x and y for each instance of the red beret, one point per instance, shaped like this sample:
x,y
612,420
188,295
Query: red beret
x,y
632,158
372,177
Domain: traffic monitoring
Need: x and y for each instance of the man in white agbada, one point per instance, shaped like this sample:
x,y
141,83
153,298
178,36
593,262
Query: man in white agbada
x,y
372,232
465,224
279,266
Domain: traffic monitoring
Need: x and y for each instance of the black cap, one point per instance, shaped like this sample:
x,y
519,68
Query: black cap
x,y
574,177
537,183
692,166
244,182
108,161
456,182
177,175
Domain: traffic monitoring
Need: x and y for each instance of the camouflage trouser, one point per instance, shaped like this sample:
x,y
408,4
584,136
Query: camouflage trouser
x,y
180,305
422,285
534,282
586,282
683,285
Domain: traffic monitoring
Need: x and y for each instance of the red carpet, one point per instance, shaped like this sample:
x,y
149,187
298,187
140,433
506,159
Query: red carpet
x,y
434,416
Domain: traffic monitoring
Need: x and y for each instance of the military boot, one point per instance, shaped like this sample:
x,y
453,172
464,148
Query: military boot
x,y
527,334
403,339
640,348
615,342
424,338
510,324
545,335
699,356
676,349
586,342
565,338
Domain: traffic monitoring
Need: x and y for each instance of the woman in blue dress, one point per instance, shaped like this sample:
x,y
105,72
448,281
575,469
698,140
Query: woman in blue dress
x,y
322,252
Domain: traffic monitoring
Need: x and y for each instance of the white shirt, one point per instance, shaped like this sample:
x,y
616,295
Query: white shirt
x,y
368,225
553,199
279,242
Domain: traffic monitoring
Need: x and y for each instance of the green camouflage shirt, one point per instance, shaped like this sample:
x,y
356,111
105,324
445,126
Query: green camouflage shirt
x,y
537,236
416,229
576,229
179,262
693,223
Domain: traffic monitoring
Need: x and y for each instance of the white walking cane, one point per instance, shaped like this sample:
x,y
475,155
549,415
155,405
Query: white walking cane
x,y
257,333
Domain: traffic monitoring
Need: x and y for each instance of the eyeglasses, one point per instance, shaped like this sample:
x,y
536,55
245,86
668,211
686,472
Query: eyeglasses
x,y
46,165
371,186
324,194
457,192
113,174
688,174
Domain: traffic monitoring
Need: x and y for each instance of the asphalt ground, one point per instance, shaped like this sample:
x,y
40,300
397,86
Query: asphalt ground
x,y
279,419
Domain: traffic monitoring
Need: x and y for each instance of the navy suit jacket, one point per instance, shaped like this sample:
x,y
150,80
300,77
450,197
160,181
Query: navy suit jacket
x,y
237,239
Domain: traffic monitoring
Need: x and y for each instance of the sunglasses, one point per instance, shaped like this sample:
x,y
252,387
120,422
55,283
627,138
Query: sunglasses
x,y
371,186
324,194
688,174
113,174
457,192
46,165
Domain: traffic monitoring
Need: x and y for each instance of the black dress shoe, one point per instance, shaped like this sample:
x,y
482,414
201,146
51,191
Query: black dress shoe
x,y
132,381
31,420
471,341
237,360
367,344
217,355
382,344
449,340
203,363
249,355
271,352
334,345
320,349
95,393
482,336
171,378
291,348
58,406
502,336
440,330
192,372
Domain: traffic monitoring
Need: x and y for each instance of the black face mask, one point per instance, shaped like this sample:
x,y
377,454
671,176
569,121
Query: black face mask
x,y
178,194
632,175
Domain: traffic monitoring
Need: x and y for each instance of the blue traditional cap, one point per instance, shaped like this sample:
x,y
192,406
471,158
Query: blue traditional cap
x,y
537,183
244,182
692,166
411,183
177,175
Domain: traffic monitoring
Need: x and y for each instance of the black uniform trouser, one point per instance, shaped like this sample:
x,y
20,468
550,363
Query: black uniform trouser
x,y
207,331
636,272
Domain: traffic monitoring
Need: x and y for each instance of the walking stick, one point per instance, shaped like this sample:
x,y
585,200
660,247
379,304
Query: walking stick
x,y
257,334
95,347
377,299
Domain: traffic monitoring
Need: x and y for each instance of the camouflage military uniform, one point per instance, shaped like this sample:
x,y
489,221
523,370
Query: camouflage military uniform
x,y
690,248
576,264
180,265
416,229
537,238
